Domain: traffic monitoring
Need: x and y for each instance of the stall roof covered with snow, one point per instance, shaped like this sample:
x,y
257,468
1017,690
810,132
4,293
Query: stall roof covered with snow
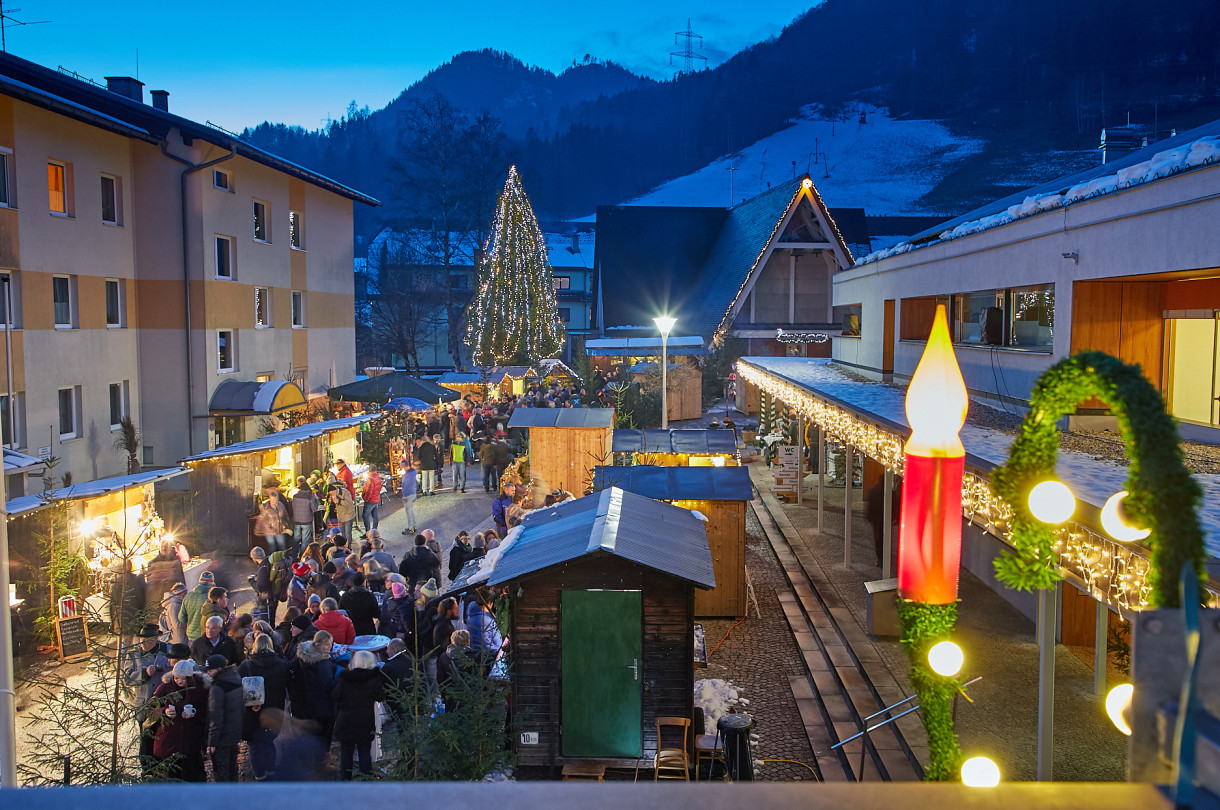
x,y
602,612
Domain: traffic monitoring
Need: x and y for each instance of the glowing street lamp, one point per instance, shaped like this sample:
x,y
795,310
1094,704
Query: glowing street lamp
x,y
930,533
665,324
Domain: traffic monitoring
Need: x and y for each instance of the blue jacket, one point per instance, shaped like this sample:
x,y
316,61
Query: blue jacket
x,y
409,485
499,512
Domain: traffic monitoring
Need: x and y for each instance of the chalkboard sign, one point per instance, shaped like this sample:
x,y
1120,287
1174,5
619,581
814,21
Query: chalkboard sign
x,y
73,639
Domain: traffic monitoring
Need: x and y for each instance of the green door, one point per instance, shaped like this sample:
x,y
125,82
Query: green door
x,y
600,638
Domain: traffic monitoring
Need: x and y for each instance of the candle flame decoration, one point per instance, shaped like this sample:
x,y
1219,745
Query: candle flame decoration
x,y
930,533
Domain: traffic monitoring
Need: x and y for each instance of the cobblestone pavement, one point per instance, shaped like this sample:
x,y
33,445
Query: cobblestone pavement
x,y
757,657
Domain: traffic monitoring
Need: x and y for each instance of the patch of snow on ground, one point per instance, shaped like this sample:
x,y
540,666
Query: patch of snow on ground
x,y
715,696
1092,480
883,165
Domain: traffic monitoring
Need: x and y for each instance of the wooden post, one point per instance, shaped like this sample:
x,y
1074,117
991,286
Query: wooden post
x,y
821,474
800,456
847,467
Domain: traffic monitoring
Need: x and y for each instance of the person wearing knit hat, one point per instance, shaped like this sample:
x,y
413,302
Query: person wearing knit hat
x,y
398,590
184,668
300,630
397,613
429,589
193,604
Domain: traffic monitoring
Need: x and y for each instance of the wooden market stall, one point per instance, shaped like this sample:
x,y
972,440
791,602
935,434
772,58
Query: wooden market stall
x,y
685,386
565,444
468,384
227,483
678,447
718,493
602,625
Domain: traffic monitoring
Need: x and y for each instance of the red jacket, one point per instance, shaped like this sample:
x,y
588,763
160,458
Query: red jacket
x,y
345,475
372,488
338,625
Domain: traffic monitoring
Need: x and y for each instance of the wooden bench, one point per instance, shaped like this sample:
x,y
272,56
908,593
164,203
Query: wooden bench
x,y
581,771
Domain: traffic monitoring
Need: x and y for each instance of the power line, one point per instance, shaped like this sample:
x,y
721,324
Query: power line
x,y
688,54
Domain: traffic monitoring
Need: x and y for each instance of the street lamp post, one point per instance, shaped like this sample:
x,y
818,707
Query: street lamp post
x,y
665,324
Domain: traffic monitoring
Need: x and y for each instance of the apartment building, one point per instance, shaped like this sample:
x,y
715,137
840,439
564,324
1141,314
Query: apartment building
x,y
158,268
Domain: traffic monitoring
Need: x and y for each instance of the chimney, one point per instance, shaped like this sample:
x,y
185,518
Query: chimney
x,y
160,99
127,87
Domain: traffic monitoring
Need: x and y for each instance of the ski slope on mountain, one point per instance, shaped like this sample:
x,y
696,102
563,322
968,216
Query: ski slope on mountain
x,y
880,164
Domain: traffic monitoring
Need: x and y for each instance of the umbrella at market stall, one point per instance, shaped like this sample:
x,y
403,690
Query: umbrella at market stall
x,y
407,404
387,386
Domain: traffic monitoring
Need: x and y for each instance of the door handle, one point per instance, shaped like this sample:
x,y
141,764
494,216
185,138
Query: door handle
x,y
635,669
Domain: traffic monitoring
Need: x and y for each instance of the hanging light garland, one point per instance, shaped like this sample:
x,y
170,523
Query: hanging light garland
x,y
1111,572
514,311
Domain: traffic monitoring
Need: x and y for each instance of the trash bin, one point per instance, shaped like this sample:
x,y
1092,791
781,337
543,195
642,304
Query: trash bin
x,y
734,730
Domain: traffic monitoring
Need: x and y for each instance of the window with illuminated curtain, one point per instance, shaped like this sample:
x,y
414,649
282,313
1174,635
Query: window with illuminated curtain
x,y
57,187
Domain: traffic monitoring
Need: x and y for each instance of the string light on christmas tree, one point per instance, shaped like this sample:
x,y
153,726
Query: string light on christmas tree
x,y
514,313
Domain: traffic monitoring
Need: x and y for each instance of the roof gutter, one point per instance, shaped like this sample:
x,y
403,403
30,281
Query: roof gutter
x,y
190,169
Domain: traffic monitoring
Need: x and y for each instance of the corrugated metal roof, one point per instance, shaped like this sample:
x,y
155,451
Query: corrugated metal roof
x,y
613,521
678,483
685,440
283,438
562,417
91,489
644,346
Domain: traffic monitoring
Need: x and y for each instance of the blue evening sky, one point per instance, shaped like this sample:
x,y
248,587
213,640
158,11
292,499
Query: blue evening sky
x,y
238,64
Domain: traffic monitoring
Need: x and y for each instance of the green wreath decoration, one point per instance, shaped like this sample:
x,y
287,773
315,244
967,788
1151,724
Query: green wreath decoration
x,y
1163,495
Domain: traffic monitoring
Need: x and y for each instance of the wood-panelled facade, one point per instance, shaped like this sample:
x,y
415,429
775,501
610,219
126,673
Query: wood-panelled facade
x,y
564,458
667,673
726,537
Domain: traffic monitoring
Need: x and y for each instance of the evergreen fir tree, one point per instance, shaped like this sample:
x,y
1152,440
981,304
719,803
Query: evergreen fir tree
x,y
513,315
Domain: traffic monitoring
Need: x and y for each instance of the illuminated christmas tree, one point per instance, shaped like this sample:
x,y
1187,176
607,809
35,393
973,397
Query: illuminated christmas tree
x,y
513,316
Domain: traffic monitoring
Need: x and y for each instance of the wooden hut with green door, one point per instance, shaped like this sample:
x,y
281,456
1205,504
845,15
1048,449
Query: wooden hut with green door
x,y
602,608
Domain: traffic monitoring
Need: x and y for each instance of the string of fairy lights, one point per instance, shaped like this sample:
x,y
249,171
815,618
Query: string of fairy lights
x,y
1111,572
514,311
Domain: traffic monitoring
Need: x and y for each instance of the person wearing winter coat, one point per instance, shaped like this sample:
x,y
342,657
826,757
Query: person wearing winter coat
x,y
411,480
298,586
261,724
171,609
193,603
297,630
273,520
500,506
217,605
311,682
214,641
371,494
418,564
485,638
164,571
361,606
487,458
304,504
226,704
459,554
340,508
356,694
398,612
377,563
320,584
456,662
182,700
334,622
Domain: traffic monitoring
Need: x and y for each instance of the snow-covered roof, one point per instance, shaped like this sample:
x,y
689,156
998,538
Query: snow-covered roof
x,y
644,346
1092,480
1195,149
15,462
560,250
284,438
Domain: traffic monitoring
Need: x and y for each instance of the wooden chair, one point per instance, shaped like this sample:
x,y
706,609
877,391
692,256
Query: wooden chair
x,y
711,748
672,759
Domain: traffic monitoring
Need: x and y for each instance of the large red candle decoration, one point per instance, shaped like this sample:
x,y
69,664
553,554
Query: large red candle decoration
x,y
930,532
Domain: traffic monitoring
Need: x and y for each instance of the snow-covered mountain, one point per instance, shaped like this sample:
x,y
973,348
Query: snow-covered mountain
x,y
871,161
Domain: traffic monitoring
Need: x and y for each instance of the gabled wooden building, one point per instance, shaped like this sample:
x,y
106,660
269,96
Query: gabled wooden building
x,y
602,606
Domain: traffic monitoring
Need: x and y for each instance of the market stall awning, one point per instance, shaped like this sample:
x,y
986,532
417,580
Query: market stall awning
x,y
385,387
678,483
562,417
687,440
91,489
623,524
283,438
241,398
644,346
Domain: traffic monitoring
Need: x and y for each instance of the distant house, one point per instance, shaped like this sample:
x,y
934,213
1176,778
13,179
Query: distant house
x,y
435,269
749,271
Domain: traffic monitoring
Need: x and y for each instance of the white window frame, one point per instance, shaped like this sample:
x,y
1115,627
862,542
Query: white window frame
x,y
14,303
298,309
266,218
561,283
122,308
67,209
74,393
232,367
8,199
72,321
265,294
232,255
296,230
228,182
117,188
124,388
18,425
